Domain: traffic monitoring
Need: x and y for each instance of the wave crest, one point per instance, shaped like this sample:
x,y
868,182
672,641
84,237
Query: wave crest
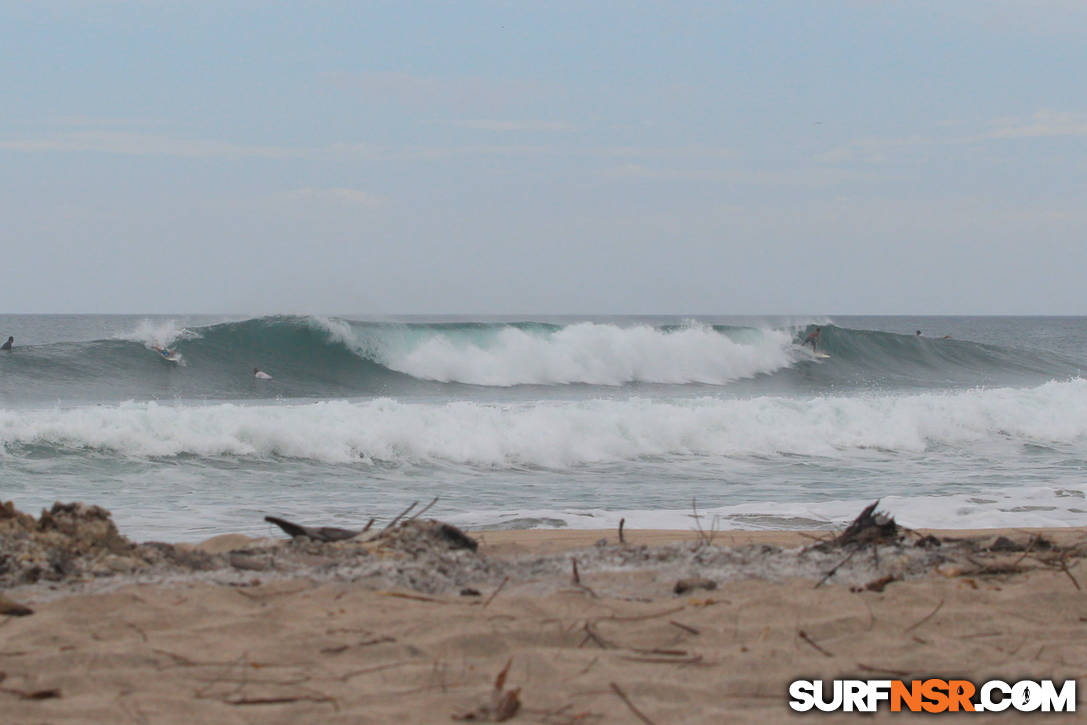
x,y
594,354
565,434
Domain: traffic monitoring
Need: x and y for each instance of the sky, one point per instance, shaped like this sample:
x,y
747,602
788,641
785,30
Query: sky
x,y
822,157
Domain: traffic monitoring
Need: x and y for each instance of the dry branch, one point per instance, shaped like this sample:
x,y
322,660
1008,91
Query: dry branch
x,y
925,618
400,516
684,627
626,700
496,591
807,638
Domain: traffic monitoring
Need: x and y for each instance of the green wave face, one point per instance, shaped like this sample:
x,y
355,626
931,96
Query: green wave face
x,y
322,358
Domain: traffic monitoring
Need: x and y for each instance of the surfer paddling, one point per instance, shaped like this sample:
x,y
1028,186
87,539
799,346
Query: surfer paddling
x,y
7,345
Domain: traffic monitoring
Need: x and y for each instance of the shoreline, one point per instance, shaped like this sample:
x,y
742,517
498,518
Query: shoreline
x,y
407,627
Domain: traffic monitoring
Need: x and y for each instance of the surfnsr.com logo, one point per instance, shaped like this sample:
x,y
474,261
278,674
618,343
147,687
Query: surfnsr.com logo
x,y
932,695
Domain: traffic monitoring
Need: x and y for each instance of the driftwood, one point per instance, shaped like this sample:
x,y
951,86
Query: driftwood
x,y
869,528
317,533
689,585
456,538
13,609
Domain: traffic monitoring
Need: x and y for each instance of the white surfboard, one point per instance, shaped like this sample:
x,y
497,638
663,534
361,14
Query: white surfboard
x,y
167,355
821,356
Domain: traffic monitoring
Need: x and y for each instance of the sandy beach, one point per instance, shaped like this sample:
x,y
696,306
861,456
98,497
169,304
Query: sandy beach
x,y
407,625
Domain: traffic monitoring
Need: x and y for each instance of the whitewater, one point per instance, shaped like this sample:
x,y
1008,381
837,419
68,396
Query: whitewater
x,y
547,421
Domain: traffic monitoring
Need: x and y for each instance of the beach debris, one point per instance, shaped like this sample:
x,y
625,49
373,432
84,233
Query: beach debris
x,y
630,705
1004,544
501,705
318,533
876,585
47,694
684,586
426,508
837,566
869,528
76,542
409,595
925,618
411,536
13,609
496,591
470,592
400,516
815,645
705,538
684,627
415,536
70,539
621,523
928,542
591,635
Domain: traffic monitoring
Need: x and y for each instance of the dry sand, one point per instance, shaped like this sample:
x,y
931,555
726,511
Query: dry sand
x,y
272,631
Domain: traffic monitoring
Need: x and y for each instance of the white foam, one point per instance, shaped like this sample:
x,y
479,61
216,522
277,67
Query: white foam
x,y
564,434
1036,506
592,353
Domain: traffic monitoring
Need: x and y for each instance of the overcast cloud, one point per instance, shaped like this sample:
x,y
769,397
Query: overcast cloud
x,y
493,157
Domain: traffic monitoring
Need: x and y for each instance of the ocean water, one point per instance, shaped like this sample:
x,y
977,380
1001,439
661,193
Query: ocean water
x,y
525,422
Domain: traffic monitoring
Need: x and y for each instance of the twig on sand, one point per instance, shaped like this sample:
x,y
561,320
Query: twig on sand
x,y
640,617
691,660
368,670
837,566
281,700
807,638
684,627
416,597
1064,568
621,522
402,515
496,591
1060,565
925,618
502,705
626,700
592,634
32,694
576,578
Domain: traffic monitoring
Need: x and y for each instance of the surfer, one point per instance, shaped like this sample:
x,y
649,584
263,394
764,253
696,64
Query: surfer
x,y
813,338
7,345
260,374
165,352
